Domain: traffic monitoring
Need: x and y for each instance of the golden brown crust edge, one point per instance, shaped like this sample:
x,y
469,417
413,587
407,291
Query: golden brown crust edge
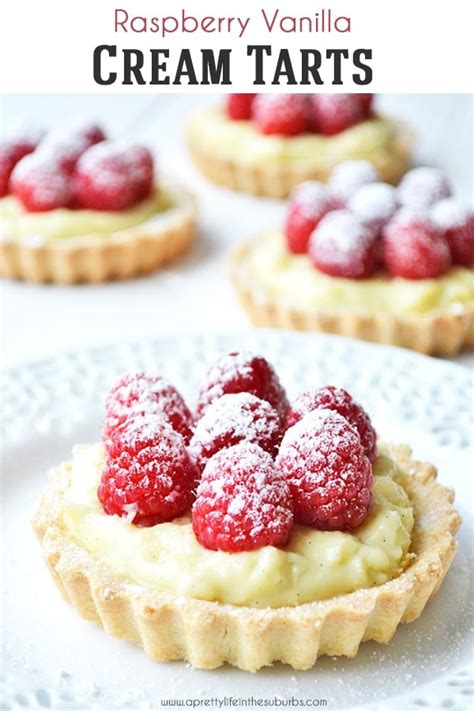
x,y
123,255
278,180
441,332
210,634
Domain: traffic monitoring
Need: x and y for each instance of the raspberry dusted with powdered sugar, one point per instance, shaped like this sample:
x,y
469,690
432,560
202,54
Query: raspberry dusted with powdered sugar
x,y
343,246
148,476
328,471
113,176
139,393
40,184
457,225
242,501
284,114
422,187
414,247
338,400
12,150
307,206
239,106
374,204
349,176
65,146
239,417
243,373
333,113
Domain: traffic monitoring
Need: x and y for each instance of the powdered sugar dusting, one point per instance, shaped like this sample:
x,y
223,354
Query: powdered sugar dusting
x,y
66,145
243,372
62,146
312,198
330,476
410,214
148,477
139,393
449,213
341,238
102,159
259,484
244,499
234,418
244,413
40,176
423,186
316,423
374,203
340,401
148,429
227,368
349,176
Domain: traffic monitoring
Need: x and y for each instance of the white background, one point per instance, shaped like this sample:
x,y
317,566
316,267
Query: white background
x,y
417,46
194,294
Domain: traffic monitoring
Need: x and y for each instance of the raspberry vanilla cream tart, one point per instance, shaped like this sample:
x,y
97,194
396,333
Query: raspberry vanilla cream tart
x,y
267,144
76,207
361,258
252,532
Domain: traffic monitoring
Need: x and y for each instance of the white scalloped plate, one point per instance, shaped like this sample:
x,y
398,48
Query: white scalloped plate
x,y
53,659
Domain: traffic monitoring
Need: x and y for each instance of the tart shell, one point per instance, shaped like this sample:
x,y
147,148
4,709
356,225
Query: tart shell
x,y
209,634
439,332
278,180
96,258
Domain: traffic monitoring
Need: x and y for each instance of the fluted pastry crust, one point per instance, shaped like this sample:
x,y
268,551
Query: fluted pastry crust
x,y
439,332
96,258
209,634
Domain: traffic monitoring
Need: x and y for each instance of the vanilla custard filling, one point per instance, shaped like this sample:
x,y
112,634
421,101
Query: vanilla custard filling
x,y
292,277
16,223
314,565
243,141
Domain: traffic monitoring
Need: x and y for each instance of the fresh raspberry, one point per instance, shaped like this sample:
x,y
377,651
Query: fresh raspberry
x,y
92,134
374,204
329,474
307,206
148,475
338,400
40,185
366,101
243,373
113,176
239,106
66,146
284,114
234,418
422,187
457,225
333,113
349,176
12,151
414,248
138,394
343,246
242,501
